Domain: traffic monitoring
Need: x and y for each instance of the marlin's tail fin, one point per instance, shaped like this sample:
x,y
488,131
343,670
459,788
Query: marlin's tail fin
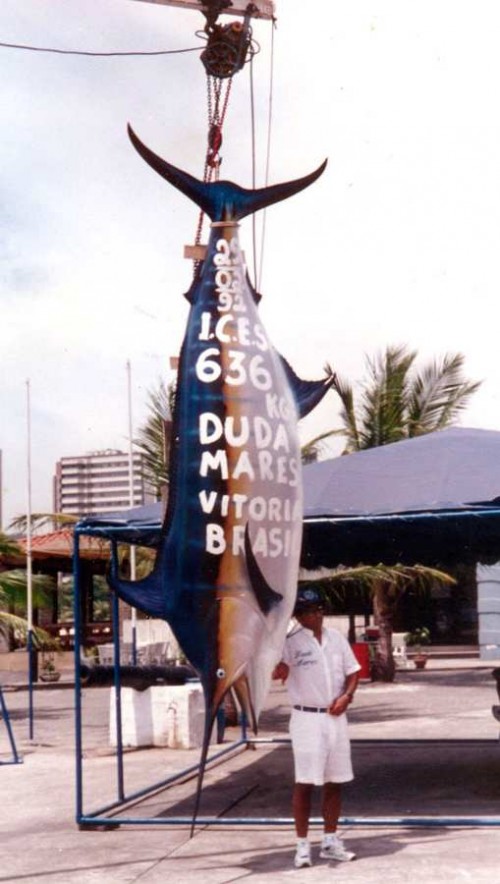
x,y
222,200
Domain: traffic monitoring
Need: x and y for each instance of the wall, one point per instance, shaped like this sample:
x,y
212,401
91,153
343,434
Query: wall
x,y
488,606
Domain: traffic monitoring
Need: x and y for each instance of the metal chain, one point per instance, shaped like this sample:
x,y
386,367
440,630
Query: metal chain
x,y
216,118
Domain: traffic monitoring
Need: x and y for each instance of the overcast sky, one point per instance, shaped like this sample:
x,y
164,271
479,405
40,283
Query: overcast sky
x,y
396,243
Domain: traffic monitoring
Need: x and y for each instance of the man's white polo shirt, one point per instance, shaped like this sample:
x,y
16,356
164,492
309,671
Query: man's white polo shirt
x,y
317,670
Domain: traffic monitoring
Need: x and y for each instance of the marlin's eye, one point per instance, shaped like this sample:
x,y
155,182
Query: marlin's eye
x,y
221,673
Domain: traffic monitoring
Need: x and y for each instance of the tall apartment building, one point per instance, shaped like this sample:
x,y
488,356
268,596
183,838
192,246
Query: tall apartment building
x,y
98,483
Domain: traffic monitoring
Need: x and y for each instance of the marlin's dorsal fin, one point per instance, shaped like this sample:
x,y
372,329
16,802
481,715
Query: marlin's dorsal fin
x,y
266,597
255,294
222,200
307,394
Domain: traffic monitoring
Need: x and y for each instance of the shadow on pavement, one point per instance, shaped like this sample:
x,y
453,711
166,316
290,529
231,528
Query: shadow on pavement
x,y
404,779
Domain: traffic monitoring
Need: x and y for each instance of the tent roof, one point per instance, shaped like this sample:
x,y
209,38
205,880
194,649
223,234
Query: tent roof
x,y
439,471
434,499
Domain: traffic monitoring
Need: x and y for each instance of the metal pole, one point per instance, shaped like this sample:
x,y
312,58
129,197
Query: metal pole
x,y
393,821
118,698
131,500
6,718
29,567
78,683
187,772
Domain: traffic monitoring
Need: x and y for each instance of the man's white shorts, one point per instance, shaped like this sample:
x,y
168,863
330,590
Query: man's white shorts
x,y
321,748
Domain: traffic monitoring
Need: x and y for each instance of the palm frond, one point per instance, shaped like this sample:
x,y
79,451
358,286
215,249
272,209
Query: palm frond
x,y
8,546
333,583
438,394
385,396
310,449
347,414
13,588
153,438
396,403
12,622
41,520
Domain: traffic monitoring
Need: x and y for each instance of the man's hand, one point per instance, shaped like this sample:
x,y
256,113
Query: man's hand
x,y
339,706
281,672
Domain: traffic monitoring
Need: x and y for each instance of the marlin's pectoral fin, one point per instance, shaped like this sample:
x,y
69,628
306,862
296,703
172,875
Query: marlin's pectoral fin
x,y
146,594
307,394
266,597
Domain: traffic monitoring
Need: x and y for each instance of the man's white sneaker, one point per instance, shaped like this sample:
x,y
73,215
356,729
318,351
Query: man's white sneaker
x,y
302,855
332,847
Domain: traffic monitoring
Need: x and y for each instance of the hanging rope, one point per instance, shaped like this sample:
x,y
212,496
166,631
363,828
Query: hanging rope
x,y
258,274
268,156
254,172
110,54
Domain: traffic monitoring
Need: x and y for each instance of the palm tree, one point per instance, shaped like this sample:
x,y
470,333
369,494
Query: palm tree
x,y
398,402
153,438
13,593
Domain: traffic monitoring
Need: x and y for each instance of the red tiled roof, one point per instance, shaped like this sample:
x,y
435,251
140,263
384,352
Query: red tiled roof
x,y
60,544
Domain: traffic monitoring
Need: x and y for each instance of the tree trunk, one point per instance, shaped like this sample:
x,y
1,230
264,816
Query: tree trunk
x,y
383,668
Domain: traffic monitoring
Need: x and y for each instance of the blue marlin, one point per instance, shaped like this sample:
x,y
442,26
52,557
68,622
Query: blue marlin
x,y
226,568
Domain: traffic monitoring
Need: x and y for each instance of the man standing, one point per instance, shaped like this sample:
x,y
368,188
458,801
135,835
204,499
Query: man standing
x,y
321,672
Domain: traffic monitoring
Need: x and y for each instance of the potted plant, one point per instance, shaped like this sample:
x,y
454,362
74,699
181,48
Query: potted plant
x,y
48,669
416,639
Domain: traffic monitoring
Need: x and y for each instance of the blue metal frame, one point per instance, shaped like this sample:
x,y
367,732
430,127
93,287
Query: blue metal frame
x,y
123,798
98,817
30,648
5,715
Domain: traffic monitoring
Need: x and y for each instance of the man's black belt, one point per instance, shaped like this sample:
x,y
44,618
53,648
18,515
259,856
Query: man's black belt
x,y
311,708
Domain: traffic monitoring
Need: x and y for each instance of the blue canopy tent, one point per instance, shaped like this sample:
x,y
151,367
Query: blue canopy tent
x,y
433,499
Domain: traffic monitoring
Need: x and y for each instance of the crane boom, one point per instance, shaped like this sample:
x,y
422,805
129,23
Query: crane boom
x,y
262,8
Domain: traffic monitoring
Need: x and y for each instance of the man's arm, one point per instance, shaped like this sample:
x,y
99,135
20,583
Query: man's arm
x,y
281,671
340,704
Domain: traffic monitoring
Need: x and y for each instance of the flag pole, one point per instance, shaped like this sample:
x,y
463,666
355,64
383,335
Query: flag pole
x,y
131,500
29,568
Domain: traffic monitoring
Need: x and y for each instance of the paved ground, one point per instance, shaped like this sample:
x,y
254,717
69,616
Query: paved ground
x,y
439,757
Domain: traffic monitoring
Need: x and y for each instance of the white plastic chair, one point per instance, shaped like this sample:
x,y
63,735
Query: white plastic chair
x,y
399,650
106,654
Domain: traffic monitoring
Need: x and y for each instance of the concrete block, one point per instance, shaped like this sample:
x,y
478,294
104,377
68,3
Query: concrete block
x,y
162,715
178,714
137,725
